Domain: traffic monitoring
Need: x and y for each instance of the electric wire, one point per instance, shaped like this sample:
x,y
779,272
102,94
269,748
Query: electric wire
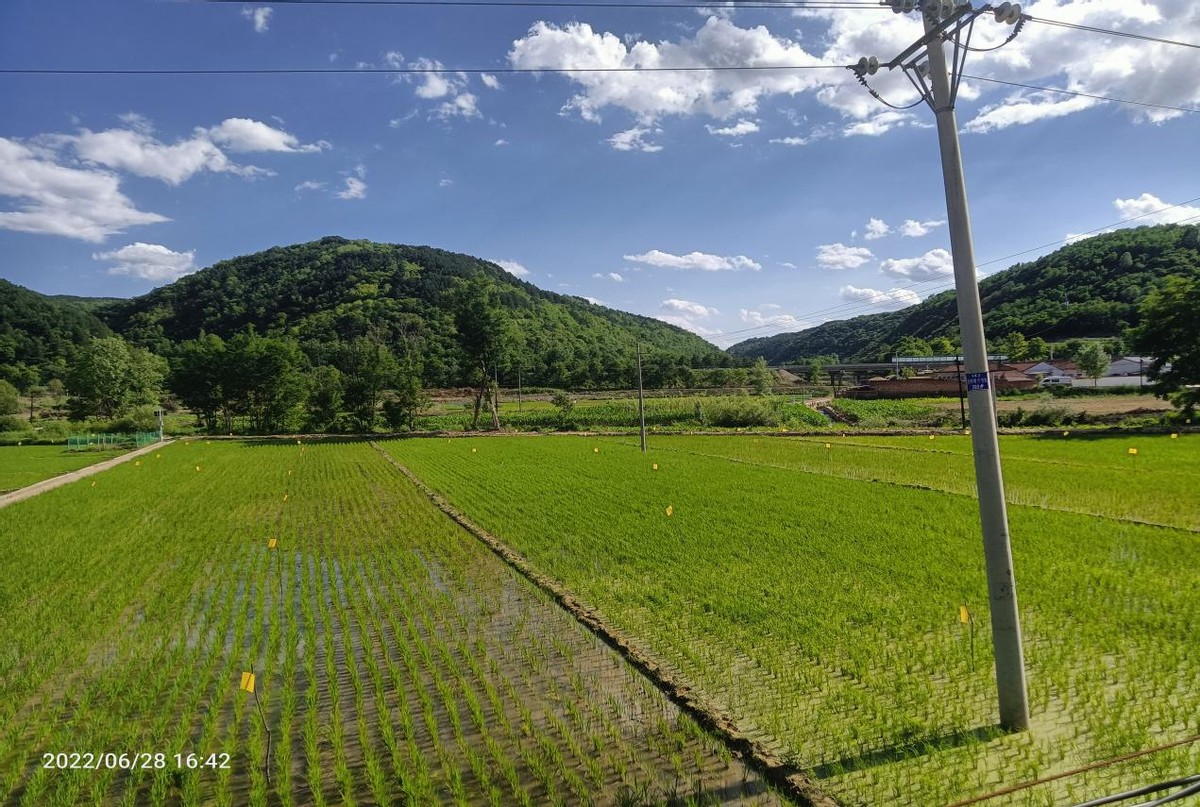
x,y
1080,94
236,71
682,4
1107,32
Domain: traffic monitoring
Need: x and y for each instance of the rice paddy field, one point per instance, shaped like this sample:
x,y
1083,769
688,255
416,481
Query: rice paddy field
x,y
21,466
811,587
396,659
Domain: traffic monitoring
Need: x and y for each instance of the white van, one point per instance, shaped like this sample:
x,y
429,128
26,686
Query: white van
x,y
1055,381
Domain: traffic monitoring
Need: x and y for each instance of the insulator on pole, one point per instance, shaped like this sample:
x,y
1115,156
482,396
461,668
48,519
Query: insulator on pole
x,y
903,6
1008,13
867,66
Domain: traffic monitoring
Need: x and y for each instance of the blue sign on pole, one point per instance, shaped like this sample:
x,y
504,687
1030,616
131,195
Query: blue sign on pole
x,y
977,381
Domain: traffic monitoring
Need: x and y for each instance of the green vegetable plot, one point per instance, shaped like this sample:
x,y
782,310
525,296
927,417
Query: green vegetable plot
x,y
823,611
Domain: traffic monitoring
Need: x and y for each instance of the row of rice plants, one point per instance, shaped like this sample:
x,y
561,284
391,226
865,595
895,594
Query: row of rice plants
x,y
396,659
823,611
1096,476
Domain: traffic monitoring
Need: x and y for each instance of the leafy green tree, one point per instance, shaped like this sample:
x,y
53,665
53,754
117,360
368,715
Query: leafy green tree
x,y
1170,333
370,368
1092,360
268,377
198,377
408,399
57,390
1038,349
10,404
107,376
485,332
912,346
1015,346
565,405
326,389
761,378
943,346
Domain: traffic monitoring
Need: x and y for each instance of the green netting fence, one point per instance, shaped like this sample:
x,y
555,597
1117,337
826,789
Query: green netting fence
x,y
93,442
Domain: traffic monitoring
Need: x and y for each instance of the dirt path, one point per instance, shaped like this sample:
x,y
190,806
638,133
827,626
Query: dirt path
x,y
64,479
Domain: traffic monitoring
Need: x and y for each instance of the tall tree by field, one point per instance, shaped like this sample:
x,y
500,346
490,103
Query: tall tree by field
x,y
107,377
761,378
370,367
198,378
486,334
1092,360
268,380
1170,333
408,399
10,404
326,389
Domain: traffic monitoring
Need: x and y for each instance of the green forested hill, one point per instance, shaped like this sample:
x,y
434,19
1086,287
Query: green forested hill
x,y
331,291
1091,288
37,333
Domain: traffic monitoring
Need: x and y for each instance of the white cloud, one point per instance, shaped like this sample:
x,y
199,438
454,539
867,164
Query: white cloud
x,y
781,322
876,228
933,264
771,306
149,262
137,151
790,141
309,185
244,134
490,81
594,301
635,140
879,123
261,17
650,95
501,142
1021,108
740,129
354,188
688,308
145,156
54,199
438,83
916,229
840,256
1153,72
445,182
512,267
1151,210
893,298
687,325
695,260
788,265
613,276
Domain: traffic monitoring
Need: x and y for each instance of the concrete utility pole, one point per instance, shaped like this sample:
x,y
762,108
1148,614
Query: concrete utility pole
x,y
938,84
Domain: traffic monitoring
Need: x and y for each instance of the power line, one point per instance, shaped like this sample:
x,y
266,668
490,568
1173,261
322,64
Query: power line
x,y
1080,94
237,71
1126,34
683,4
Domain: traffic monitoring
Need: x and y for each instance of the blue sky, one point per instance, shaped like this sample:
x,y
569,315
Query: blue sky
x,y
736,204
